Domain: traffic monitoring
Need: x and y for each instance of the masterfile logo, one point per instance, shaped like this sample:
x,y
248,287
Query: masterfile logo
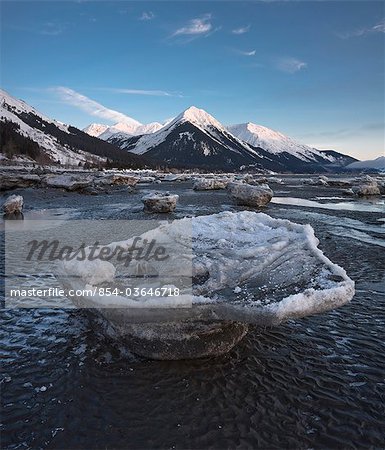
x,y
97,263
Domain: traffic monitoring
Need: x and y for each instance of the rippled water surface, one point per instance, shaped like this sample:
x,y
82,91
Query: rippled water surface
x,y
318,382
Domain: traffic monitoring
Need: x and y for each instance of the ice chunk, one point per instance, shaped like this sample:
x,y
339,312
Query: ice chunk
x,y
248,195
207,184
368,188
13,205
249,267
160,202
67,181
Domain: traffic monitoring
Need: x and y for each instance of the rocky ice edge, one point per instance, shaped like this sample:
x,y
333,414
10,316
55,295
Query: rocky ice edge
x,y
244,253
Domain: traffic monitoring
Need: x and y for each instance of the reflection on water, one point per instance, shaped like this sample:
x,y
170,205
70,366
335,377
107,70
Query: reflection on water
x,y
375,205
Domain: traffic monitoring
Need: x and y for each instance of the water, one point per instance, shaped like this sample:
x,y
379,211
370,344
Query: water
x,y
311,383
376,205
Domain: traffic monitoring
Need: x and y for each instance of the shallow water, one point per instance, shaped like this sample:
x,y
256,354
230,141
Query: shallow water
x,y
311,383
377,205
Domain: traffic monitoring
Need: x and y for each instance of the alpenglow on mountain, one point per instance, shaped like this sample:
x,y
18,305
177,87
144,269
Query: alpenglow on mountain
x,y
121,128
196,139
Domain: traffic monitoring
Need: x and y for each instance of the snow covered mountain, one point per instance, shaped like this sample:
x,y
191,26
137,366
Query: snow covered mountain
x,y
197,139
27,133
122,129
377,164
274,142
95,129
193,139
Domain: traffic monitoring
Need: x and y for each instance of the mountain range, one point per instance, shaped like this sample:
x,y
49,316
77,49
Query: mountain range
x,y
193,139
196,139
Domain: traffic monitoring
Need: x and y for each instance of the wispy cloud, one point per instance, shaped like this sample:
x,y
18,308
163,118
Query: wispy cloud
x,y
147,15
241,30
290,65
364,31
151,92
196,27
90,106
244,53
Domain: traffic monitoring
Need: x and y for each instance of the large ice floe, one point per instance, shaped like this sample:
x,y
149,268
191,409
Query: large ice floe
x,y
246,268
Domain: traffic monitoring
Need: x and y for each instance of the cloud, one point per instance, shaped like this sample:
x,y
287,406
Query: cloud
x,y
241,30
290,65
378,28
151,92
90,106
196,27
250,53
147,15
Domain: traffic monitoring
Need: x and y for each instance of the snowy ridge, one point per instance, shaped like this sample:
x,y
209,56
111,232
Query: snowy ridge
x,y
121,129
275,142
10,103
10,107
54,149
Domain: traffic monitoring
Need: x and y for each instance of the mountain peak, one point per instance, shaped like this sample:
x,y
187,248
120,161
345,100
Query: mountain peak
x,y
126,127
95,129
198,117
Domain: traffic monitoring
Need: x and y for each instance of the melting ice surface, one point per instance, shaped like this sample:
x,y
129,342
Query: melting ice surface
x,y
248,265
374,206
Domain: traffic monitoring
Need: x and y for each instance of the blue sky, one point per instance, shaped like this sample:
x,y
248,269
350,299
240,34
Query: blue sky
x,y
312,70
